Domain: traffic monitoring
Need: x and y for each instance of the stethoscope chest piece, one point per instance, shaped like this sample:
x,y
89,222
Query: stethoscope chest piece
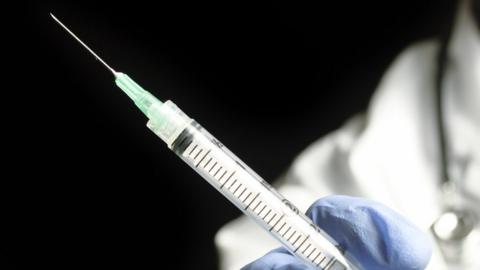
x,y
455,233
453,225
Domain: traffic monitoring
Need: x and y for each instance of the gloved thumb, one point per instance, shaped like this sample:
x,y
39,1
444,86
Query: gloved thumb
x,y
372,234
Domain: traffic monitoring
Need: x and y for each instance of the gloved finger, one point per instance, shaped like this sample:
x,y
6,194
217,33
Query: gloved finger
x,y
277,259
374,235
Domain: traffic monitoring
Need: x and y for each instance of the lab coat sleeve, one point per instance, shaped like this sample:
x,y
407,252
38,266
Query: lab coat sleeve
x,y
320,170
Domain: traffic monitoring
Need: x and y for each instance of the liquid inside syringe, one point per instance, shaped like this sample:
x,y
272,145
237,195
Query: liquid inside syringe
x,y
251,194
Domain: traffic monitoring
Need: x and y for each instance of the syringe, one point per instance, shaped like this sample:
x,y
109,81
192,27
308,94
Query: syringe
x,y
233,178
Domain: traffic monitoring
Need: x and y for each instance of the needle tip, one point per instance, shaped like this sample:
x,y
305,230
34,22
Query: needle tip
x,y
83,44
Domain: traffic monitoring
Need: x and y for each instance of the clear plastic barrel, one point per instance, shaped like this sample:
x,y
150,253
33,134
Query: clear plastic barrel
x,y
248,191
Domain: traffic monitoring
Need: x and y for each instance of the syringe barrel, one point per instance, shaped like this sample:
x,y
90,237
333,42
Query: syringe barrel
x,y
244,188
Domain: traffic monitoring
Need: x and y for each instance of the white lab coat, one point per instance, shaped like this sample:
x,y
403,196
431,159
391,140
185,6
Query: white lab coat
x,y
391,153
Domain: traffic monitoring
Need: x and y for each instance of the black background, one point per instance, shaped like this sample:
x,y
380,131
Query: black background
x,y
86,184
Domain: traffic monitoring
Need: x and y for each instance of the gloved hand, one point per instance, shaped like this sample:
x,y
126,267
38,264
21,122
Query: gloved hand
x,y
375,235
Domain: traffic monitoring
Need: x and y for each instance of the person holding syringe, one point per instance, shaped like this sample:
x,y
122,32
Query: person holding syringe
x,y
340,232
416,150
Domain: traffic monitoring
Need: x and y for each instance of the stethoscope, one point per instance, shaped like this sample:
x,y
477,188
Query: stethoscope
x,y
456,222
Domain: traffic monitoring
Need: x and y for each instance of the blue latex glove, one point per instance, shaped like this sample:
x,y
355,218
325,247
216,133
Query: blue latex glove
x,y
375,235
